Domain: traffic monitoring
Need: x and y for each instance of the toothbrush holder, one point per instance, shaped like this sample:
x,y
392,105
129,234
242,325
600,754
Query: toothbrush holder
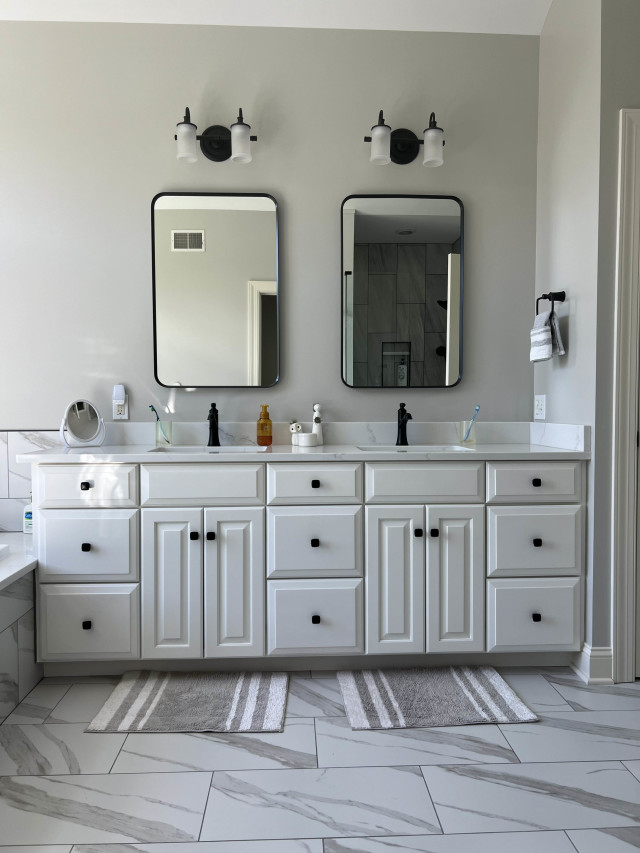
x,y
164,440
464,428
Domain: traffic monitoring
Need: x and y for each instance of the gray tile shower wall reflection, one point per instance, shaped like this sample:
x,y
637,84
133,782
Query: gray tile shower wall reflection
x,y
399,291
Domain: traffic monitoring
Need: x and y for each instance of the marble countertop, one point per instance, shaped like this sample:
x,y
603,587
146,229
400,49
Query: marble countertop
x,y
287,453
19,560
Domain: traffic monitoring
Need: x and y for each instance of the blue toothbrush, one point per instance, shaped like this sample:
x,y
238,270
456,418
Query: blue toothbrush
x,y
475,415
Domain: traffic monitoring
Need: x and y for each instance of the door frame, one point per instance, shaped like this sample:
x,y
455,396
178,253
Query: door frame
x,y
256,289
624,504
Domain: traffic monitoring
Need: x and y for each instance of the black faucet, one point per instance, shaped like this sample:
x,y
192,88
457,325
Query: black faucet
x,y
403,417
212,417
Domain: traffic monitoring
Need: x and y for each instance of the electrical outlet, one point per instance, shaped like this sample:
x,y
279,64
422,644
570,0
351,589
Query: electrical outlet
x,y
121,410
539,407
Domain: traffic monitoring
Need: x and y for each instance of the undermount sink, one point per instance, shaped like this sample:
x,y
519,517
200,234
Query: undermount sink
x,y
414,448
228,448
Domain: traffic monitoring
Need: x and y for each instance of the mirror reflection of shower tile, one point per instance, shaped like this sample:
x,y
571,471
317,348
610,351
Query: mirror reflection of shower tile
x,y
438,258
410,327
434,364
360,313
382,303
383,258
360,374
411,272
417,374
360,274
374,360
435,316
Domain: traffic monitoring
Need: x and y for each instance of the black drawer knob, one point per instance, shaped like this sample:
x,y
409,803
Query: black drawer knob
x,y
194,535
537,617
86,625
85,485
315,543
434,532
211,536
315,619
537,482
418,532
315,484
537,543
86,546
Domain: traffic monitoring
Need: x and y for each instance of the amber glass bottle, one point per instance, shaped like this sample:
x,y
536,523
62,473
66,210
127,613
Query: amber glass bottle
x,y
265,427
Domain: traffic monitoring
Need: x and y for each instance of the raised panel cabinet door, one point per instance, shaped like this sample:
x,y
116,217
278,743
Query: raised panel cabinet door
x,y
171,580
455,578
394,558
234,582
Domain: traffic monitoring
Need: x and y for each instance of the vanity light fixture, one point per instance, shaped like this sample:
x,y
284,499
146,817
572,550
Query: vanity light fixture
x,y
402,146
217,143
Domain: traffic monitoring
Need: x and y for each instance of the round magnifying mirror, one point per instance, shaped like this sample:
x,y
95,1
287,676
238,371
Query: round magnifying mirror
x,y
82,425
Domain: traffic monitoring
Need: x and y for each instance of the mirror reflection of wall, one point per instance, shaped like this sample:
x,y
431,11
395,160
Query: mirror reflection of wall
x,y
401,294
215,290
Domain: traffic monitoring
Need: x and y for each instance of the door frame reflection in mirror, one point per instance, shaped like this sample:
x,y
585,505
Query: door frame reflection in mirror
x,y
246,353
408,206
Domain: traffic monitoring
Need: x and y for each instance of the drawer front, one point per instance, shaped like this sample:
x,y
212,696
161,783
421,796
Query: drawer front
x,y
314,617
545,540
323,541
87,544
88,621
85,486
331,483
539,614
208,484
425,482
515,482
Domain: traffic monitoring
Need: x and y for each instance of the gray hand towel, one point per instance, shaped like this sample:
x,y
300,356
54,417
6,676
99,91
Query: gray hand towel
x,y
545,337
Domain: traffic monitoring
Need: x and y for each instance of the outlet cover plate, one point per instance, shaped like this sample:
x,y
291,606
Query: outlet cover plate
x,y
121,410
539,407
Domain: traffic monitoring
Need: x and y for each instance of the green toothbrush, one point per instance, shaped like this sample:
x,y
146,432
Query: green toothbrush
x,y
153,409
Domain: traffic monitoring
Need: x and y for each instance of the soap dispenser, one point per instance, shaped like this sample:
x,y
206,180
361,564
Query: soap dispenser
x,y
265,427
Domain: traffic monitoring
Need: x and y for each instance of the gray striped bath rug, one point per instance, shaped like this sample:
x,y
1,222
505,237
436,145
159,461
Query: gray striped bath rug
x,y
195,702
437,696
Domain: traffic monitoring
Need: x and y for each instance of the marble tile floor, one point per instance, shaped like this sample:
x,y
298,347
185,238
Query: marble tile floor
x,y
569,783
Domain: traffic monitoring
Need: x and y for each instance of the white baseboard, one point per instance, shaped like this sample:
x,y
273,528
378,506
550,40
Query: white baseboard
x,y
594,665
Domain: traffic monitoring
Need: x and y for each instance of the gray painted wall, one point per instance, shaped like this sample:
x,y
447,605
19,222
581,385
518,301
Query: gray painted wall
x,y
90,112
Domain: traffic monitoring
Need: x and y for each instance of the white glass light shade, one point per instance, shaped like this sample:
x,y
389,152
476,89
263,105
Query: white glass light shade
x,y
433,147
380,145
186,142
241,142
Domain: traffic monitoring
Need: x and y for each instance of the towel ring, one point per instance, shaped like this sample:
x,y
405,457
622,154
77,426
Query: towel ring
x,y
554,296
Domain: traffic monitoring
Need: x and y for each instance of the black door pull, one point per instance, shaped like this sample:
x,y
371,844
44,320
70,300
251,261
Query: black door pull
x,y
315,543
194,535
537,543
211,536
86,625
86,546
315,619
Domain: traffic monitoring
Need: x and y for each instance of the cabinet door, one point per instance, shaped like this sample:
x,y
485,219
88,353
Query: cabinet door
x,y
395,581
234,582
171,583
455,578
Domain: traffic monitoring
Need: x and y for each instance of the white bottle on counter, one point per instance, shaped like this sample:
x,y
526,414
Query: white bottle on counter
x,y
27,518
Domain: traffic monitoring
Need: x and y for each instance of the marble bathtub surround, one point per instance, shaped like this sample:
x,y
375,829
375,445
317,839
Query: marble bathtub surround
x,y
19,671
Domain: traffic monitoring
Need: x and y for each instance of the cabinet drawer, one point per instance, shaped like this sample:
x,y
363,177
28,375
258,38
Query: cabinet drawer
x,y
314,616
323,541
87,544
329,483
85,485
424,482
513,482
88,621
537,613
208,484
544,540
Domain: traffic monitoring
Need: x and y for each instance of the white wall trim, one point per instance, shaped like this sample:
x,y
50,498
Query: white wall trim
x,y
625,409
594,665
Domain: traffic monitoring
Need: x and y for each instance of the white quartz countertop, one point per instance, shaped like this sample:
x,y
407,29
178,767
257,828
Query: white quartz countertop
x,y
287,453
19,560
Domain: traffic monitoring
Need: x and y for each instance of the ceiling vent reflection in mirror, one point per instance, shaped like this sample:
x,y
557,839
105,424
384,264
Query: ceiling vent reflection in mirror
x,y
187,241
217,143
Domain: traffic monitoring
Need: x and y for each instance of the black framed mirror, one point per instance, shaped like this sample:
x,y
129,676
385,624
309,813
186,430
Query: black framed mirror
x,y
215,290
402,283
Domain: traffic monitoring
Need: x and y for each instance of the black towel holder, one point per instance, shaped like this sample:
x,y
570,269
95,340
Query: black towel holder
x,y
554,296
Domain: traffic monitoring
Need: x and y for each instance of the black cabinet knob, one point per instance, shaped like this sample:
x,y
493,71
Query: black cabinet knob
x,y
418,532
315,543
315,484
211,536
537,543
537,482
315,619
434,532
86,625
85,485
194,535
86,546
537,617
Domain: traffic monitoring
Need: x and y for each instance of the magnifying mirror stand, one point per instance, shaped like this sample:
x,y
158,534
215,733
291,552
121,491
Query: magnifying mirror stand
x,y
70,437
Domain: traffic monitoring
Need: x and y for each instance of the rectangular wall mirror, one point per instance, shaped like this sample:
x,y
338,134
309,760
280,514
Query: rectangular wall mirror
x,y
215,290
402,291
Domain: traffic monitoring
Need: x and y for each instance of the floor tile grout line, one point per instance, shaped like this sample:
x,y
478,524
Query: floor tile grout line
x,y
109,773
206,805
433,805
570,840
